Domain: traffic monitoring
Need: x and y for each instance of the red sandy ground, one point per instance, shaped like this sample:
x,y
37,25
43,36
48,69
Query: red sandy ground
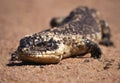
x,y
22,17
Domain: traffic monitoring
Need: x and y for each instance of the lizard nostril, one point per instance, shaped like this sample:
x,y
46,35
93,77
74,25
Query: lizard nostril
x,y
13,57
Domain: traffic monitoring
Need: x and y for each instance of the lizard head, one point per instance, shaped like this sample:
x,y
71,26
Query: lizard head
x,y
35,47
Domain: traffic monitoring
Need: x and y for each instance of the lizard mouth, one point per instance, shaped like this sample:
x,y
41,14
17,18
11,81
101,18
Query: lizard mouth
x,y
27,55
35,52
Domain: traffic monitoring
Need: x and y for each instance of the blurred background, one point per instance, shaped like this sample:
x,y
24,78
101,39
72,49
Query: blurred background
x,y
33,15
22,17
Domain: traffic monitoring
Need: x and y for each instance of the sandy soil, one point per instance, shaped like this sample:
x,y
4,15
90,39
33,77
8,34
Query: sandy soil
x,y
22,17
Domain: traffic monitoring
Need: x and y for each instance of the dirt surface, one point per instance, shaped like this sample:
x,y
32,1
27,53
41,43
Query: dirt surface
x,y
22,17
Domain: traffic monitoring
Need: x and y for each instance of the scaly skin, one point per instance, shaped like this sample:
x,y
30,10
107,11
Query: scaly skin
x,y
74,35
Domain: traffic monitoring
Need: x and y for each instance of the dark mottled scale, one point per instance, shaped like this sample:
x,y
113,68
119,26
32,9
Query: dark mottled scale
x,y
56,31
26,42
52,44
46,45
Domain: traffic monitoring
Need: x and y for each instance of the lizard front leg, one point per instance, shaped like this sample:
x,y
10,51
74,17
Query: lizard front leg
x,y
93,48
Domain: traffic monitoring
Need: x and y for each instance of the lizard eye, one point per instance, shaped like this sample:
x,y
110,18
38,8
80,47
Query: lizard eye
x,y
48,44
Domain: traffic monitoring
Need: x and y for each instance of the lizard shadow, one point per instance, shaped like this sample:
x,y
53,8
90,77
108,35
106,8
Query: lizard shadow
x,y
24,64
21,63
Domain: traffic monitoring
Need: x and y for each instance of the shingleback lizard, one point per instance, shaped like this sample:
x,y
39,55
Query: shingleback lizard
x,y
75,35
